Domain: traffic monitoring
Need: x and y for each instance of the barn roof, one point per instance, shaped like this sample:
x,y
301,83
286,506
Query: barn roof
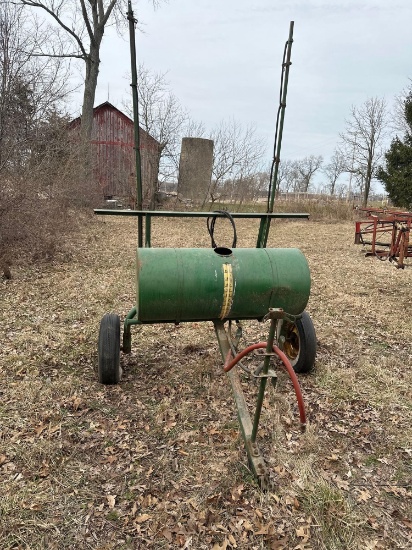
x,y
110,106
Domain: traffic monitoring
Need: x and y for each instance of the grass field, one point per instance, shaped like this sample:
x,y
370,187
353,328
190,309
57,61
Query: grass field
x,y
157,461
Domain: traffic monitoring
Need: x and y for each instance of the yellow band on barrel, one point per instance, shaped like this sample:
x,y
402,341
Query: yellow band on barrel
x,y
227,290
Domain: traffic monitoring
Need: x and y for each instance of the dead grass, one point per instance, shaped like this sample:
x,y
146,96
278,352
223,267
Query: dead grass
x,y
157,462
323,209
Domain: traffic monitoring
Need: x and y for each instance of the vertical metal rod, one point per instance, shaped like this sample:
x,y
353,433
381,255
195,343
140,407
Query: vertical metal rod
x,y
269,349
287,65
262,228
374,232
148,233
392,250
282,116
139,194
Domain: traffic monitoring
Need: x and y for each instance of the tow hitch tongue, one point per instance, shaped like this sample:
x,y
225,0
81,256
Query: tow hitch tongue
x,y
249,427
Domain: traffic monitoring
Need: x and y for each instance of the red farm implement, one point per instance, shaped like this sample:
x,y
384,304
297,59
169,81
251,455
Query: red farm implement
x,y
387,233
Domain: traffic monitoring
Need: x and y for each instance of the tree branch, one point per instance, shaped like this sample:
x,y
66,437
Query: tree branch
x,y
87,22
67,55
108,12
59,21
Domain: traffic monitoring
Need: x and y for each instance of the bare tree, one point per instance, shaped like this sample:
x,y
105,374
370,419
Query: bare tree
x,y
162,116
305,170
399,124
249,184
262,181
237,154
37,168
79,25
287,176
334,169
31,89
341,190
237,151
362,142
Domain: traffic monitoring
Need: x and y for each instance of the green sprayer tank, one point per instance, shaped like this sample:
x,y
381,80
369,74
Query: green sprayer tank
x,y
204,284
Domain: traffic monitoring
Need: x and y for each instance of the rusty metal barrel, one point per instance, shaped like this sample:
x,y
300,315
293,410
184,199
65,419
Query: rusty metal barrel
x,y
196,284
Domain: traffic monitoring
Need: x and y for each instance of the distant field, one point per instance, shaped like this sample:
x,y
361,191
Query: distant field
x,y
157,461
320,209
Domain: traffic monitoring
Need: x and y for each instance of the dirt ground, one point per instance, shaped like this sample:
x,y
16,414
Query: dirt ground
x,y
157,461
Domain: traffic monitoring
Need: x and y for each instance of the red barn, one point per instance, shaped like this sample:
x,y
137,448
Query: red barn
x,y
113,158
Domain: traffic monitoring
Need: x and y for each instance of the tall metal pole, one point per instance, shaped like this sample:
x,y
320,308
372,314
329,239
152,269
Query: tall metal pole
x,y
139,194
282,116
264,233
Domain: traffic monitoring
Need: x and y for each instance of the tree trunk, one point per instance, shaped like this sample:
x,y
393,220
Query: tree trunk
x,y
90,83
367,184
86,126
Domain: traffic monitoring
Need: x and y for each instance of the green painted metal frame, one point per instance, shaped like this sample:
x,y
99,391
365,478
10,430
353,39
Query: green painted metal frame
x,y
248,427
179,214
263,380
227,345
147,215
139,188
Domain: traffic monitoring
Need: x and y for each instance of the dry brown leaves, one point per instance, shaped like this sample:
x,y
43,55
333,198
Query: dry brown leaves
x,y
157,462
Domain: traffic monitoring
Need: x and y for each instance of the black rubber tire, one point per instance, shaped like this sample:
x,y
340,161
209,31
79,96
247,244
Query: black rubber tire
x,y
300,343
109,349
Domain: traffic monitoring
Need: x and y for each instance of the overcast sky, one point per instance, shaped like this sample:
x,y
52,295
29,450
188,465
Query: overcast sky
x,y
223,59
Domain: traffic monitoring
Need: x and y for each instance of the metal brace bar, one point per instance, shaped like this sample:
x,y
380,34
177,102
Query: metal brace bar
x,y
255,458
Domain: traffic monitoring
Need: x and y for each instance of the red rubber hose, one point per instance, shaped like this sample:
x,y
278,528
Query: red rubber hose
x,y
229,366
292,375
295,382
